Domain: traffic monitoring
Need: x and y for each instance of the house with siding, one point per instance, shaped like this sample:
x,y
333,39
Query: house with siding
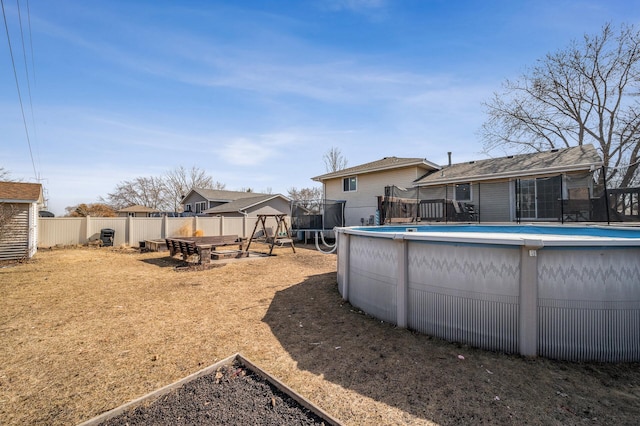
x,y
544,186
215,202
252,206
19,206
360,186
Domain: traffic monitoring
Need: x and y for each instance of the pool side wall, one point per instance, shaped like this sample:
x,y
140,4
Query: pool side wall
x,y
573,303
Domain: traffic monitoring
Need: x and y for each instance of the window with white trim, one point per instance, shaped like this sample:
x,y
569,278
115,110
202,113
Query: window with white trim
x,y
350,184
463,192
201,206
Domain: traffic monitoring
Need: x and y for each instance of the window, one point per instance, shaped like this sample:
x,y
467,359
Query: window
x,y
349,184
463,192
200,206
187,207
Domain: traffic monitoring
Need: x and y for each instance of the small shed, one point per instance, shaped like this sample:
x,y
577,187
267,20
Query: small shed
x,y
19,205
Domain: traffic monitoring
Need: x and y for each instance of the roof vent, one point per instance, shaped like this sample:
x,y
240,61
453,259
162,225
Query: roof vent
x,y
554,150
471,162
509,156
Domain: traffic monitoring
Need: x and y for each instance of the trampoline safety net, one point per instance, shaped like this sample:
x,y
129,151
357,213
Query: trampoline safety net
x,y
309,215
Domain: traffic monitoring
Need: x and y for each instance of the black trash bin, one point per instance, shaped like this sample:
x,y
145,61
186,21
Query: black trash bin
x,y
107,235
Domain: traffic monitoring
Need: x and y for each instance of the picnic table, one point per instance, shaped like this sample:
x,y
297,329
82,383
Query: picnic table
x,y
201,246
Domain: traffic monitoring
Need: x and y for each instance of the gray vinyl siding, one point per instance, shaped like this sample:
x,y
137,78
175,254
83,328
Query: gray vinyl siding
x,y
363,202
494,201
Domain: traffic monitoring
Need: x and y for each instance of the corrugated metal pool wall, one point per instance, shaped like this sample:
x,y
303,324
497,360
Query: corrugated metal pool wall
x,y
586,301
589,304
462,294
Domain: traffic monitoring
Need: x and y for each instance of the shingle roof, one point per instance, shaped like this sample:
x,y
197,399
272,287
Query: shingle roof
x,y
555,161
387,163
226,196
138,209
18,191
243,203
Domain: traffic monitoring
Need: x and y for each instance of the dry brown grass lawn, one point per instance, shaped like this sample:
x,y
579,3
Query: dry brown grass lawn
x,y
86,330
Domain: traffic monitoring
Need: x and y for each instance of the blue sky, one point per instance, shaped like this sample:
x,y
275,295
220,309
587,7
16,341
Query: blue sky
x,y
256,92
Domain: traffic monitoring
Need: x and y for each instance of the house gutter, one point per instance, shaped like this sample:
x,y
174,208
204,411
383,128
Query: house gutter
x,y
338,174
503,175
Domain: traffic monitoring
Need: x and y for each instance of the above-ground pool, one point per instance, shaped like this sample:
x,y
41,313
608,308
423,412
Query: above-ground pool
x,y
564,292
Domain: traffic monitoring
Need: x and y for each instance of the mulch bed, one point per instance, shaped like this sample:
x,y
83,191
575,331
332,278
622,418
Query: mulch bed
x,y
232,395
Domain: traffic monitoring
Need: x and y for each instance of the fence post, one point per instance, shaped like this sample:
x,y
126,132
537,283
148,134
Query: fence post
x,y
606,194
244,226
87,229
165,227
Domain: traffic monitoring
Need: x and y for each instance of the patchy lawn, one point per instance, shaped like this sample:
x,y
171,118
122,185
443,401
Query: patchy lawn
x,y
86,330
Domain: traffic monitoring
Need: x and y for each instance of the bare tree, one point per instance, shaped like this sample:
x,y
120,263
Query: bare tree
x,y
163,193
145,191
334,160
586,93
309,198
180,181
7,213
4,174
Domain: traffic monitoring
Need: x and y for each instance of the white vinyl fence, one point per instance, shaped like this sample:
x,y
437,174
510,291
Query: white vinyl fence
x,y
132,230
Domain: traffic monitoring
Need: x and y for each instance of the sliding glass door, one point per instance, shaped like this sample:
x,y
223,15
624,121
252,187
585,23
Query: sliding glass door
x,y
540,198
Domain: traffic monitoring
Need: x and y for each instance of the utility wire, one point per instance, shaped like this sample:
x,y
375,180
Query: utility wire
x,y
24,55
15,75
26,71
33,64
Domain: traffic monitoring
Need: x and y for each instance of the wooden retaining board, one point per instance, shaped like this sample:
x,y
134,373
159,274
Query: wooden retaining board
x,y
152,396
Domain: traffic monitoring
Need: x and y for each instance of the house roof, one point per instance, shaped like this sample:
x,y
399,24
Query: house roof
x,y
244,203
387,163
576,158
138,209
20,192
222,195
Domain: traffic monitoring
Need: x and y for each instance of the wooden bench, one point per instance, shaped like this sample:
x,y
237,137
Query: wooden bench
x,y
202,246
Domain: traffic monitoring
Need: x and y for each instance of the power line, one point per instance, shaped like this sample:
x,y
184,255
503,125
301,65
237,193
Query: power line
x,y
24,55
26,71
15,75
33,64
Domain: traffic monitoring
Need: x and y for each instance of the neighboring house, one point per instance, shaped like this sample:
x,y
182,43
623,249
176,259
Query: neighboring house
x,y
520,187
253,206
19,205
360,186
137,211
233,203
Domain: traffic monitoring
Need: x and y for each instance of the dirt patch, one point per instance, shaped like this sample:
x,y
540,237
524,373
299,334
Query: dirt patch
x,y
87,330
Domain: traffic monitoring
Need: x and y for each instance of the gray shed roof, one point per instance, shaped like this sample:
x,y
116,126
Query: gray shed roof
x,y
223,195
138,209
387,163
576,158
244,203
